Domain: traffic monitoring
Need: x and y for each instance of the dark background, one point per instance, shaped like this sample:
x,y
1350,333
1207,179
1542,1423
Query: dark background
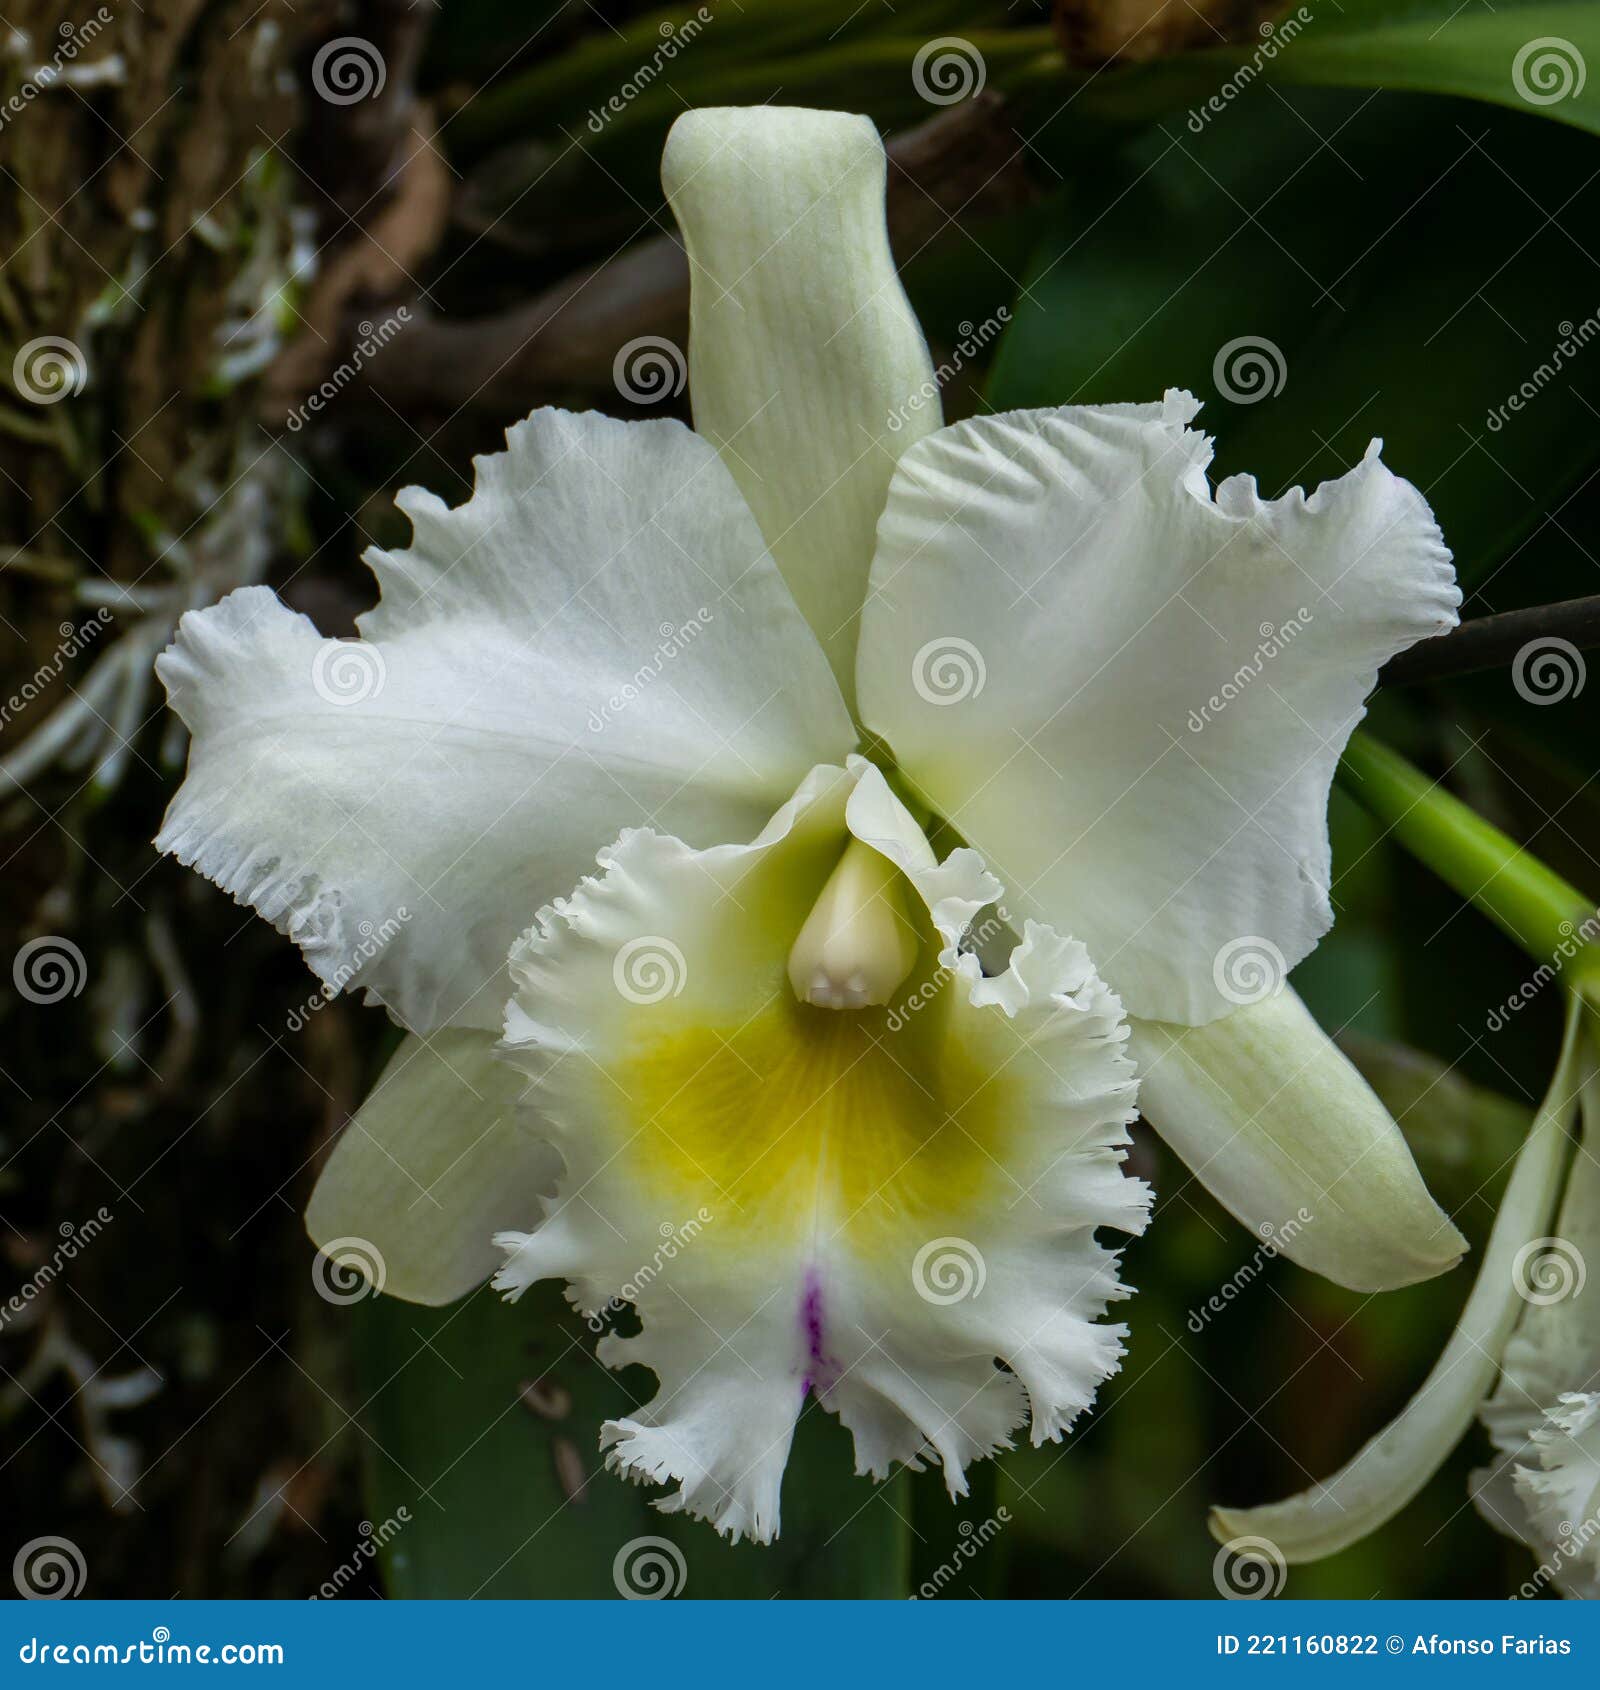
x,y
217,238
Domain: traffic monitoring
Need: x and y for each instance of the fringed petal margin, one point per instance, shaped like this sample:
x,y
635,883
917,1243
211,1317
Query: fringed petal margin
x,y
597,637
892,1208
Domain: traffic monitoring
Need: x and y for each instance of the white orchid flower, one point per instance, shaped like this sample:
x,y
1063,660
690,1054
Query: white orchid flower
x,y
1544,1417
1547,1493
679,641
1530,1334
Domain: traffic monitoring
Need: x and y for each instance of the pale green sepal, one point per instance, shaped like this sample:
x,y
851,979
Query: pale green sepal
x,y
1392,1467
433,1164
1280,1127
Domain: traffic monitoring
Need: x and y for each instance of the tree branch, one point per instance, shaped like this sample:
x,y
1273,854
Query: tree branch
x,y
1493,642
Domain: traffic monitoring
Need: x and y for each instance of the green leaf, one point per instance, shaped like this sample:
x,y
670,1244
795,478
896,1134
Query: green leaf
x,y
812,52
482,1423
1530,55
1400,267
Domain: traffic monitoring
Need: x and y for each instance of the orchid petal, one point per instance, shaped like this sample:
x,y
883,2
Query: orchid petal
x,y
1131,695
872,1205
1544,1417
432,1165
1559,1490
1282,1130
1392,1467
596,637
808,371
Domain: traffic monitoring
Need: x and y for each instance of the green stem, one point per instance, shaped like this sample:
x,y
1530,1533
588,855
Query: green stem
x,y
1530,902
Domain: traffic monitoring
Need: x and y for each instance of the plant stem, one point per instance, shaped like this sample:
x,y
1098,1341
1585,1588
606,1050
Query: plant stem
x,y
1530,902
1493,642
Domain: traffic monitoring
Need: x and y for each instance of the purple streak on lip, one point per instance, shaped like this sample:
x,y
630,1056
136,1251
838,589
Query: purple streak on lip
x,y
819,1373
